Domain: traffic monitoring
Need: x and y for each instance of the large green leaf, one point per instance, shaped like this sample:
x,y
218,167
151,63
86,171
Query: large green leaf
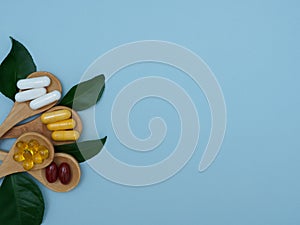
x,y
84,94
83,150
17,65
21,201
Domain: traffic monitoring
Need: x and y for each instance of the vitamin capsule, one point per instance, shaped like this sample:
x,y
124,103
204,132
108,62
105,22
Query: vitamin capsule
x,y
24,96
37,158
55,116
27,154
66,135
33,146
28,164
62,125
51,172
22,146
44,152
45,100
36,82
64,173
19,157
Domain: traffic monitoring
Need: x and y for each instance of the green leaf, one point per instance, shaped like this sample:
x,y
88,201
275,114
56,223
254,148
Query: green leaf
x,y
17,65
85,94
21,201
82,151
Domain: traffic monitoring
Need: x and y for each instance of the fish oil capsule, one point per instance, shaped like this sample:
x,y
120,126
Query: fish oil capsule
x,y
64,173
28,164
66,135
21,145
62,125
33,144
24,96
35,82
45,100
44,152
27,154
51,172
37,158
55,116
19,157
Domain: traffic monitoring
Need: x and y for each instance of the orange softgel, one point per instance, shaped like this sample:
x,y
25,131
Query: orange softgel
x,y
30,153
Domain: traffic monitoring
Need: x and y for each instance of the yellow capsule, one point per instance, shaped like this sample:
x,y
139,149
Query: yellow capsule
x,y
27,154
44,152
33,144
66,135
32,151
37,158
19,157
28,164
58,115
62,125
22,145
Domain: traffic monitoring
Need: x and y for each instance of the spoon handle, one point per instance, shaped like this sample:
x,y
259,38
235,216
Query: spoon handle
x,y
17,131
3,155
15,116
5,169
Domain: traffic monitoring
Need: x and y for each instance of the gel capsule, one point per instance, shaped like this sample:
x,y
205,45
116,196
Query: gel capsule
x,y
62,125
58,115
36,82
66,135
30,94
28,164
45,100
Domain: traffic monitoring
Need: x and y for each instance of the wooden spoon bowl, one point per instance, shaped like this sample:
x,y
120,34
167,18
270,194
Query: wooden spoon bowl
x,y
22,110
36,125
9,165
57,185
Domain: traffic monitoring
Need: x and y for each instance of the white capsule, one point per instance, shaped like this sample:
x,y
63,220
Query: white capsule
x,y
27,95
36,82
45,100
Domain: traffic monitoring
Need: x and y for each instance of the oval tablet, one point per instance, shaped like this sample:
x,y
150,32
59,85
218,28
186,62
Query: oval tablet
x,y
66,135
30,94
45,100
55,116
36,82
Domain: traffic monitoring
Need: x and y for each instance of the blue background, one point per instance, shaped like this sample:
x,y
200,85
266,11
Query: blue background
x,y
253,49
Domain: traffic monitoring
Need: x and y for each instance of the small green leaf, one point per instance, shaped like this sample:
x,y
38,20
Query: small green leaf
x,y
83,150
17,65
21,201
85,94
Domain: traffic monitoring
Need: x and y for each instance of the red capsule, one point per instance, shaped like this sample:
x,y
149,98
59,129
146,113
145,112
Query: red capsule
x,y
51,172
64,173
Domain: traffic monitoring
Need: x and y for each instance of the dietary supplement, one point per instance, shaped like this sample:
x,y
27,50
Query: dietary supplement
x,y
30,153
65,135
51,172
62,125
24,96
35,82
45,100
63,173
55,116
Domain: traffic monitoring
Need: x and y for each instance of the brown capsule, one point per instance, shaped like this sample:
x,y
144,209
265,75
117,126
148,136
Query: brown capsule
x,y
51,172
64,173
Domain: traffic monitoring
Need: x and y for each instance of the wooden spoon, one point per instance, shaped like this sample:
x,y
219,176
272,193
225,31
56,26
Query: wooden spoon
x,y
57,186
22,110
36,125
9,165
